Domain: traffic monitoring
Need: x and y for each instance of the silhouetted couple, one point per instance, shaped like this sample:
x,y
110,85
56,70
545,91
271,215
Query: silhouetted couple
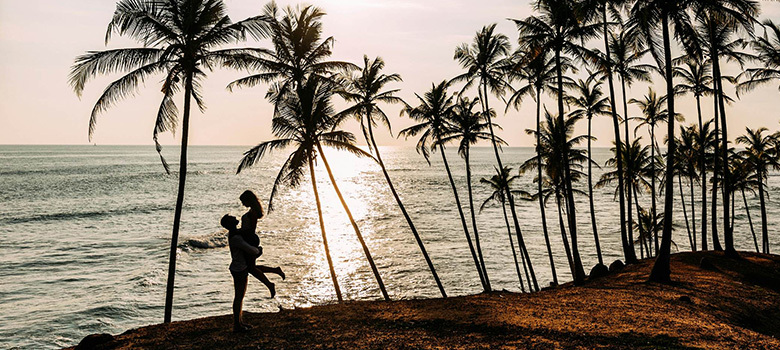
x,y
244,250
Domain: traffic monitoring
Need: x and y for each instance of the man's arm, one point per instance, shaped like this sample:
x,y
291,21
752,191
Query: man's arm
x,y
244,246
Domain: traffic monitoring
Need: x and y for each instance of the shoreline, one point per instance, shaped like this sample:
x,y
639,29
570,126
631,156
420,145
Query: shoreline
x,y
714,303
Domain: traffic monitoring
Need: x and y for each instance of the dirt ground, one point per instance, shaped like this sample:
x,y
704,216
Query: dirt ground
x,y
727,304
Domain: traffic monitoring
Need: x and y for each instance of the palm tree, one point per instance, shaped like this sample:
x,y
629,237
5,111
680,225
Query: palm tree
x,y
365,90
651,16
687,157
744,180
179,39
596,11
717,22
559,153
432,113
588,103
761,155
298,69
486,61
627,52
767,50
653,113
304,119
705,143
647,227
636,160
499,183
467,128
538,69
299,51
696,79
559,28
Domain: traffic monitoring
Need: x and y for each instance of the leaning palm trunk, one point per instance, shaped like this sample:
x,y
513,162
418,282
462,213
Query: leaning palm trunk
x,y
463,220
507,192
403,211
643,240
474,218
590,197
521,243
322,229
563,235
693,213
733,210
716,176
685,212
728,235
764,229
354,226
750,221
661,269
653,208
629,253
627,187
512,244
185,132
539,187
579,271
703,178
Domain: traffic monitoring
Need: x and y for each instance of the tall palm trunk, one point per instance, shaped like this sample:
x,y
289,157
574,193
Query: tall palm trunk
x,y
629,253
354,226
750,221
521,242
474,217
629,171
579,271
685,212
643,241
653,208
693,212
485,286
322,229
728,235
563,235
590,195
716,176
512,244
764,228
507,192
703,165
403,211
733,209
661,270
185,133
539,186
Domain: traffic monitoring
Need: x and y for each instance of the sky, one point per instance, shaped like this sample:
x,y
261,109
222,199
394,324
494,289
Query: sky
x,y
39,40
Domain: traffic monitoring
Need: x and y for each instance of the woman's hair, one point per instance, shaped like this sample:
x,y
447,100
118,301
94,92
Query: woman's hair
x,y
249,198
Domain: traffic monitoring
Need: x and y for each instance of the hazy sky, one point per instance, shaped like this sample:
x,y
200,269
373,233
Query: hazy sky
x,y
40,38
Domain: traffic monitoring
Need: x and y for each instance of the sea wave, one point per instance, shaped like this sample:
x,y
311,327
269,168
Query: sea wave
x,y
82,215
213,240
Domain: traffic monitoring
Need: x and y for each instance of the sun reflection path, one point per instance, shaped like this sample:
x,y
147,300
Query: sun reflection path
x,y
355,179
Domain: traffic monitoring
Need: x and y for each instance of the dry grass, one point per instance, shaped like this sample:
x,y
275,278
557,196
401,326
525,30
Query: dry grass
x,y
736,305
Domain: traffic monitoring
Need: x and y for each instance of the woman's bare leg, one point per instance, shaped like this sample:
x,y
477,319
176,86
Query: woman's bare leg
x,y
255,271
275,270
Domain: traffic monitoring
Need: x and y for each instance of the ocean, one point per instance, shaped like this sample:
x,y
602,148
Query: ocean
x,y
85,233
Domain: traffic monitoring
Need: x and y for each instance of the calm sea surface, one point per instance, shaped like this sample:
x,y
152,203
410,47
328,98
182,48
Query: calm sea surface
x,y
85,231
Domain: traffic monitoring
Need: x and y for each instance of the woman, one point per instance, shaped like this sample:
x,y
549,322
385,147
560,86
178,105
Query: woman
x,y
248,227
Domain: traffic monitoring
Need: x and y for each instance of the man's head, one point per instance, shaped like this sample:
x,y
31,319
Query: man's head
x,y
229,222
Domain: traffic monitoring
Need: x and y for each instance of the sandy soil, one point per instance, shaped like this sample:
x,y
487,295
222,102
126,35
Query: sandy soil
x,y
728,304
